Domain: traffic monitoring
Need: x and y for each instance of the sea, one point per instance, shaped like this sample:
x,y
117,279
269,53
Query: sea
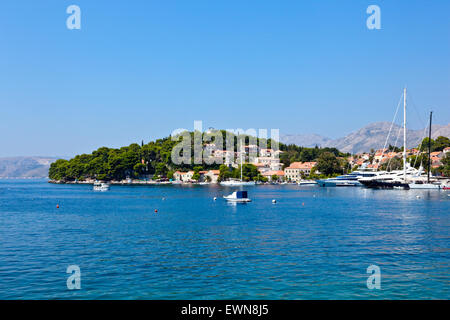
x,y
178,242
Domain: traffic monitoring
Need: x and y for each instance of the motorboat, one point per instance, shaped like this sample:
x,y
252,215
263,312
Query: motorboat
x,y
101,186
347,180
233,183
307,183
238,196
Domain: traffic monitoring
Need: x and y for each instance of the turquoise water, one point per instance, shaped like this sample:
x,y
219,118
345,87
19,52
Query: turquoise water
x,y
197,248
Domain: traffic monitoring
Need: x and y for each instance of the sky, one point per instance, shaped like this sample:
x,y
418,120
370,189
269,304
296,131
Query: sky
x,y
137,70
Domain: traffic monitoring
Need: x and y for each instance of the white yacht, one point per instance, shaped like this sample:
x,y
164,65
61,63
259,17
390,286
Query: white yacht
x,y
307,183
101,186
397,179
348,180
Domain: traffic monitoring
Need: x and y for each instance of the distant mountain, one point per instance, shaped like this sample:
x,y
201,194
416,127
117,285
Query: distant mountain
x,y
25,167
305,140
372,136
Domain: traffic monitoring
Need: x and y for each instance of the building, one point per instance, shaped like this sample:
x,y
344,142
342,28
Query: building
x,y
269,174
213,175
446,150
266,152
437,154
262,167
295,171
186,177
270,162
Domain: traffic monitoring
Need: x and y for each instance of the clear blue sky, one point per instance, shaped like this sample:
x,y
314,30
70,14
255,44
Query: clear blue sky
x,y
140,69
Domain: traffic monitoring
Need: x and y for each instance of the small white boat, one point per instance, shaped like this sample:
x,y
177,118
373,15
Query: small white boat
x,y
237,183
101,186
307,183
238,196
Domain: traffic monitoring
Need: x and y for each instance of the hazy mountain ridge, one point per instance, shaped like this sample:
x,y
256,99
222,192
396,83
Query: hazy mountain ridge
x,y
372,136
25,167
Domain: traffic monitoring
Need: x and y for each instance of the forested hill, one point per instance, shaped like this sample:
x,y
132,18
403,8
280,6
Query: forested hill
x,y
154,158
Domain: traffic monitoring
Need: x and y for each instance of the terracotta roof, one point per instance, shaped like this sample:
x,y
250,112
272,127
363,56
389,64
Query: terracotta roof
x,y
436,153
271,173
301,165
260,164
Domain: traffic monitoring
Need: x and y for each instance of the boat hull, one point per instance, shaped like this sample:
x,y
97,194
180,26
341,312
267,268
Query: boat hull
x,y
325,183
424,186
376,184
237,183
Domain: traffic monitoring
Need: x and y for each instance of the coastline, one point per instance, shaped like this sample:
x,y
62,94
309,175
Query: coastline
x,y
141,182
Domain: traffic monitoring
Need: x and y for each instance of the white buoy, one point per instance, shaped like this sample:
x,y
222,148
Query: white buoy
x,y
215,198
418,197
274,201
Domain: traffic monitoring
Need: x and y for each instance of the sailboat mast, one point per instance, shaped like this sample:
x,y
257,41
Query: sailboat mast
x,y
241,164
404,134
429,149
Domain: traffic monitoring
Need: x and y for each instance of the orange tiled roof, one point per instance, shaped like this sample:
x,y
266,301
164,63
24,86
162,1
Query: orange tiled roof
x,y
271,173
302,165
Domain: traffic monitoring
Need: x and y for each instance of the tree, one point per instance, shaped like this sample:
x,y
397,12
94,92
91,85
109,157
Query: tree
x,y
328,164
445,168
274,177
161,169
441,143
224,173
392,164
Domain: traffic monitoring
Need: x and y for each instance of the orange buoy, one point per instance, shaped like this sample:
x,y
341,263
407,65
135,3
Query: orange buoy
x,y
156,210
303,203
57,206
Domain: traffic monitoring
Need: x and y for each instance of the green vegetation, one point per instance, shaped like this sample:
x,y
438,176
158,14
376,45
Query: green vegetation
x,y
394,164
293,153
445,168
154,159
439,144
249,173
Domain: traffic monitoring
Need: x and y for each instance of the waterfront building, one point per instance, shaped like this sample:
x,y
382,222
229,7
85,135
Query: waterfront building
x,y
269,175
298,169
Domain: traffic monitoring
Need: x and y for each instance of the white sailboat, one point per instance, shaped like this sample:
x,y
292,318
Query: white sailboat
x,y
421,182
394,179
238,182
409,177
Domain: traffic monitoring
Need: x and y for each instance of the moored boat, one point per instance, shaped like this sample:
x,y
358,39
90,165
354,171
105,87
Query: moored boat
x,y
307,183
100,186
347,180
238,196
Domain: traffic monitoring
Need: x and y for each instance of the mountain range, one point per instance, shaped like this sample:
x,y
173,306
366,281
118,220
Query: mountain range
x,y
372,136
25,167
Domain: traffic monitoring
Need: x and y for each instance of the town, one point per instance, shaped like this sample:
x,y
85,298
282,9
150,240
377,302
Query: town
x,y
288,164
